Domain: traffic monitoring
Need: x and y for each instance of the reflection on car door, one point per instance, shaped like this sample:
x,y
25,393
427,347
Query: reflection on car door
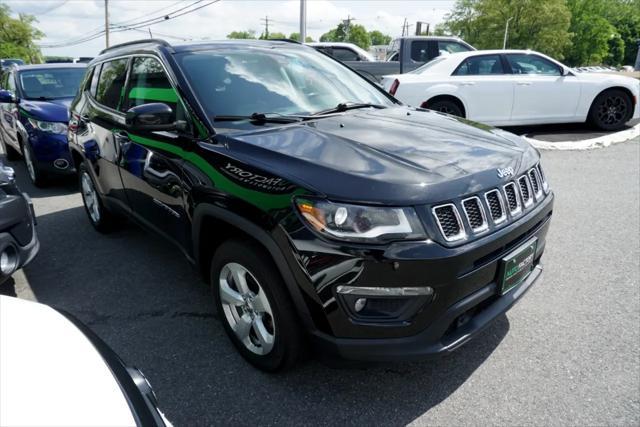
x,y
541,92
487,91
102,113
150,163
9,114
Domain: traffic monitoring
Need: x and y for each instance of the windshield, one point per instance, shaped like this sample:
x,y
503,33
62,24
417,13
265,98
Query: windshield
x,y
243,81
51,83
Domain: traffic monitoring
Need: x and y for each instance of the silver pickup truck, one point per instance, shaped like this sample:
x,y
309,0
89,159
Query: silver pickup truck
x,y
408,53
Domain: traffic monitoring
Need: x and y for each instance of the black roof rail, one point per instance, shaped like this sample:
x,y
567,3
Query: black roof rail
x,y
141,41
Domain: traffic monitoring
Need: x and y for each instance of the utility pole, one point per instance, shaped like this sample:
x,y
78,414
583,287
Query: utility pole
x,y
347,25
506,34
303,21
106,22
266,27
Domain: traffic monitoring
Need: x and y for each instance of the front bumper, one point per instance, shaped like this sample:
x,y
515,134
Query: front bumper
x,y
51,152
437,339
463,279
17,231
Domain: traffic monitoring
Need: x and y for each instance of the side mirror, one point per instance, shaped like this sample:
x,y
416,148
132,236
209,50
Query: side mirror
x,y
151,117
565,72
7,97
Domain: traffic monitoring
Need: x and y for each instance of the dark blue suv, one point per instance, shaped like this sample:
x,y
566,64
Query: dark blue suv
x,y
34,112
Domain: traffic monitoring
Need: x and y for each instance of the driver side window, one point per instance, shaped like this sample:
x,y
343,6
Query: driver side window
x,y
149,83
532,64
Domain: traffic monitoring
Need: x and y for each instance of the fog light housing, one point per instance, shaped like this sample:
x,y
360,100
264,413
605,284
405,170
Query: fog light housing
x,y
373,304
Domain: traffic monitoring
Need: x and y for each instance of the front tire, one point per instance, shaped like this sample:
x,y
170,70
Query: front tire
x,y
101,218
254,307
37,176
611,110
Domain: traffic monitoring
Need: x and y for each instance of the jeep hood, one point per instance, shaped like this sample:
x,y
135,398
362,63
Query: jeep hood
x,y
396,155
55,110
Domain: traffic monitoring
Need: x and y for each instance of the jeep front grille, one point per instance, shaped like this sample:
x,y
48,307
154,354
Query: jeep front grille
x,y
496,206
535,183
489,210
449,222
475,214
525,191
511,194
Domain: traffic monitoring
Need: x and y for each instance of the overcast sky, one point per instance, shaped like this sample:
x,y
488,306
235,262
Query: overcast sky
x,y
62,21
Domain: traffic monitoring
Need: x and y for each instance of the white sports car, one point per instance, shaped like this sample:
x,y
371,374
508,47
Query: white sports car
x,y
517,87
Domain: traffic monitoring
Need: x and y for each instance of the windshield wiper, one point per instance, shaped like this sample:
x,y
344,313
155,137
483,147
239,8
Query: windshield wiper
x,y
40,98
345,106
262,118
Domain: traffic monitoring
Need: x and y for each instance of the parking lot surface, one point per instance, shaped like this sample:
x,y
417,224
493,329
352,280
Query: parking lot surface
x,y
566,354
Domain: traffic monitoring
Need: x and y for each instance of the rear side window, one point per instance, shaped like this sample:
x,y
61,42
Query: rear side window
x,y
343,54
451,47
149,83
420,51
480,66
111,83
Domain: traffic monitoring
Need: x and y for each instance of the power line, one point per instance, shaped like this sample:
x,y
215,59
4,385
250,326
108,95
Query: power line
x,y
133,26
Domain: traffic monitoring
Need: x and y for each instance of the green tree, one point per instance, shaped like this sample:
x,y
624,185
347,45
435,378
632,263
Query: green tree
x,y
275,35
249,34
540,25
378,38
590,32
624,15
354,33
18,36
296,37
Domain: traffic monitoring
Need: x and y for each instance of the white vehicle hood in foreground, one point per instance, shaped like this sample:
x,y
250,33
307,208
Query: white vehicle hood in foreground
x,y
50,373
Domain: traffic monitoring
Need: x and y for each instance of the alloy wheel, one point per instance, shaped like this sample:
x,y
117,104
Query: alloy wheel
x,y
90,197
246,308
612,110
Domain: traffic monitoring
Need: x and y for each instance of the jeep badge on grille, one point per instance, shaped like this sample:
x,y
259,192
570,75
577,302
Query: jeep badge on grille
x,y
505,172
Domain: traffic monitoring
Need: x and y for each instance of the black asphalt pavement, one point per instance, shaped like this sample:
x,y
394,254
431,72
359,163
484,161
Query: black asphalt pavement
x,y
567,354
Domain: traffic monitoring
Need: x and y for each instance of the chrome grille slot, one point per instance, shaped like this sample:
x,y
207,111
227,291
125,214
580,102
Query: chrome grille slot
x,y
525,190
496,206
474,212
513,201
545,185
449,222
535,183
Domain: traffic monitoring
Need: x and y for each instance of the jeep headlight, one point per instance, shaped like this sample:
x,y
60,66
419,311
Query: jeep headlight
x,y
49,127
367,224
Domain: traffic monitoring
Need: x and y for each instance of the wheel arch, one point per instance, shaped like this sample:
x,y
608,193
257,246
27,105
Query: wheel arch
x,y
624,89
218,225
446,97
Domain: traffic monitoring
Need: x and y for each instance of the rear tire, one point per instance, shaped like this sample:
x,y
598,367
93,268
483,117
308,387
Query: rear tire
x,y
254,307
447,107
99,216
611,110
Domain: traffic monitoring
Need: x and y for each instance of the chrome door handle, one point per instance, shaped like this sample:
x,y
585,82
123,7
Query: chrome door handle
x,y
524,83
468,83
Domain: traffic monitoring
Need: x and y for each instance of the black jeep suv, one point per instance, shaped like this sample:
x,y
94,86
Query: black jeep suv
x,y
322,211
